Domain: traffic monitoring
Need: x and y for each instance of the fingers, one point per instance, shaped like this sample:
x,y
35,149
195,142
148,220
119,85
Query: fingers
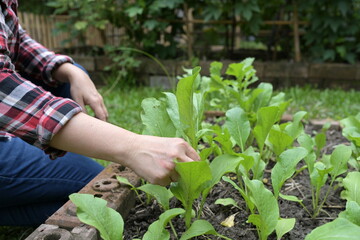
x,y
174,176
81,103
192,154
187,153
99,110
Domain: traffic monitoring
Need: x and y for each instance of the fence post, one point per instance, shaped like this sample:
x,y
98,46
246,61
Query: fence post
x,y
296,33
189,30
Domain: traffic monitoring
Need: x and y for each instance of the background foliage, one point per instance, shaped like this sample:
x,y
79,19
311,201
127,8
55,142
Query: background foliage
x,y
331,34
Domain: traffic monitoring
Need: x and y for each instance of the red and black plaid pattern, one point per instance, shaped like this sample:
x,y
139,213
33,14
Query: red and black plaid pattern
x,y
27,111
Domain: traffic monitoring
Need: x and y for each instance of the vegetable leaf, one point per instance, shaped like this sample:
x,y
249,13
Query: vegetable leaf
x,y
267,206
94,212
156,120
339,229
352,187
285,167
238,126
199,227
266,118
283,226
157,229
161,194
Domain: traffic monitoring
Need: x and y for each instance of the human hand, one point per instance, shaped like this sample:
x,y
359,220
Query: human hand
x,y
82,89
152,158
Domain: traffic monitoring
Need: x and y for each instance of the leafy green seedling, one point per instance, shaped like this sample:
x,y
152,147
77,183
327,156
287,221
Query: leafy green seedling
x,y
336,165
266,117
125,181
238,125
219,166
194,177
201,227
282,136
266,218
294,199
345,227
94,212
160,193
227,202
156,120
284,226
351,129
352,187
157,229
285,167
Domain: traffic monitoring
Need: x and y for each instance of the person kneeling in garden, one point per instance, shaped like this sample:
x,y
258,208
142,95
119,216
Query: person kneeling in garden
x,y
40,123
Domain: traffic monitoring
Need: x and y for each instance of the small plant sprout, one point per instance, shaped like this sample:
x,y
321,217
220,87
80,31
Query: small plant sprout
x,y
94,212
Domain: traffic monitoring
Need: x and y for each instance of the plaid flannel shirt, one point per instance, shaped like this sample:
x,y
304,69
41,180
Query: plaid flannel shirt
x,y
26,110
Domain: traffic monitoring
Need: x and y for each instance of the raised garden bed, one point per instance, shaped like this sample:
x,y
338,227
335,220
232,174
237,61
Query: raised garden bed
x,y
141,216
138,216
262,177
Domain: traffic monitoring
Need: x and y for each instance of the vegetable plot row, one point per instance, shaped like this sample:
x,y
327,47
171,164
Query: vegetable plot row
x,y
242,144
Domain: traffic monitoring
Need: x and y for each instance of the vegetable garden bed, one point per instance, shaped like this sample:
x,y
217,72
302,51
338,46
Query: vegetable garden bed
x,y
142,215
258,178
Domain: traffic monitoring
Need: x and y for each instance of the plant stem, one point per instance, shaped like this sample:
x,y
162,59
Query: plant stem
x,y
323,201
188,211
118,77
173,230
202,203
305,208
155,59
313,199
299,170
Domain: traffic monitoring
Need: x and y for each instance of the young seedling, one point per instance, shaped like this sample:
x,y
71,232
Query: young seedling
x,y
94,212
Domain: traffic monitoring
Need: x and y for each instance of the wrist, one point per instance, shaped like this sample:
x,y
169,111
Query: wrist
x,y
63,72
123,151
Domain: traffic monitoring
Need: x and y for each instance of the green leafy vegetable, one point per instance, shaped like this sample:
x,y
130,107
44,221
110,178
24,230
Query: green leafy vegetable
x,y
352,187
161,194
238,125
94,212
156,119
194,177
266,204
266,118
285,167
200,227
283,226
157,229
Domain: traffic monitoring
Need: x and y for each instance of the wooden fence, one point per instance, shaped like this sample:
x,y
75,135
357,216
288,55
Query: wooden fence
x,y
42,29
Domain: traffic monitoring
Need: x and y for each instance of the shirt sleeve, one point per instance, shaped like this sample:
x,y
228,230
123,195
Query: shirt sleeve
x,y
26,110
38,61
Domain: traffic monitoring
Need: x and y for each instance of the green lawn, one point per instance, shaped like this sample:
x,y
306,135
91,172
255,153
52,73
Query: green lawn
x,y
321,104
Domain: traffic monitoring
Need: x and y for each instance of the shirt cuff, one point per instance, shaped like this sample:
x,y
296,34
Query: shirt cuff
x,y
53,64
56,114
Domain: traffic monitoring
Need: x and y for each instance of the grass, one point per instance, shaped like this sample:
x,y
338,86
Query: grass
x,y
333,104
124,106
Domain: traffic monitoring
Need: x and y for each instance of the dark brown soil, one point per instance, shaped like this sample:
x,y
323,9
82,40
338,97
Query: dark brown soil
x,y
141,216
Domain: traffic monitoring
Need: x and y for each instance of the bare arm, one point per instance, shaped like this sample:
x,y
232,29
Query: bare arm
x,y
150,157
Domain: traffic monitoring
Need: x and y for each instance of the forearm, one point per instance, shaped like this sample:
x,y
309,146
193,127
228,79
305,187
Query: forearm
x,y
91,137
152,158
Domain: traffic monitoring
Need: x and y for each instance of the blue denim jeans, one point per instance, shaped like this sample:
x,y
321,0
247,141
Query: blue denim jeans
x,y
33,187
